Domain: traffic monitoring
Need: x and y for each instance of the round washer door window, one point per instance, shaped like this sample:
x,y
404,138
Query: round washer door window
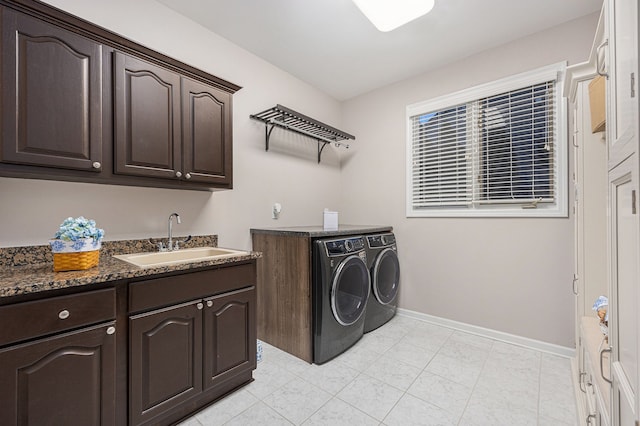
x,y
350,290
386,276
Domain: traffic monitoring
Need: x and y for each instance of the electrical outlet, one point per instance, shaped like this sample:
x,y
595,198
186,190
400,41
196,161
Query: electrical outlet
x,y
275,211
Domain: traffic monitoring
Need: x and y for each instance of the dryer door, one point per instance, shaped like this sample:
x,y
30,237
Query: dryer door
x,y
386,276
350,290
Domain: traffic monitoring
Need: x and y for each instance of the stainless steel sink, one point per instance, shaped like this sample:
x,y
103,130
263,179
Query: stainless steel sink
x,y
199,254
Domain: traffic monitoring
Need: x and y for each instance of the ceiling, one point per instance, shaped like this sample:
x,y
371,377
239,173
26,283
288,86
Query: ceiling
x,y
332,46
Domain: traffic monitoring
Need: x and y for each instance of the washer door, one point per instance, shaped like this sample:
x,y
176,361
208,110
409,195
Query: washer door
x,y
386,276
350,290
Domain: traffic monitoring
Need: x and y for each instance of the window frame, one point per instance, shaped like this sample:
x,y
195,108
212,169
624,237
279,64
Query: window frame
x,y
560,208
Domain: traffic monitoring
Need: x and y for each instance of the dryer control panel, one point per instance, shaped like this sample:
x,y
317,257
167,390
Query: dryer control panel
x,y
344,246
381,240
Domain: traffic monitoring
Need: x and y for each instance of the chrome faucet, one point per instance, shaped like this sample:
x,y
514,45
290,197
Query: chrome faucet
x,y
170,246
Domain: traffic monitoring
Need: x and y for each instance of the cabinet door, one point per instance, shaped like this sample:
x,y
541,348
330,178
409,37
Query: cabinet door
x,y
229,335
67,379
206,113
51,95
622,116
625,298
165,365
147,119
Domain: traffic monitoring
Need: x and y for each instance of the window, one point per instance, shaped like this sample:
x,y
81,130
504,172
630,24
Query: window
x,y
492,150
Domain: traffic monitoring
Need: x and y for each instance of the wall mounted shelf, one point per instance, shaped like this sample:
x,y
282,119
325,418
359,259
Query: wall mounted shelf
x,y
283,117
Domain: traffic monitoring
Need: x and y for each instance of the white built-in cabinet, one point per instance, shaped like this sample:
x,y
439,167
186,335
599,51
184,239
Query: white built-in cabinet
x,y
589,179
607,238
624,252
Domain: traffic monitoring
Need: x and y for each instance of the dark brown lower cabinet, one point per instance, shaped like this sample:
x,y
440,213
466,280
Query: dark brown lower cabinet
x,y
191,339
229,336
165,366
67,379
180,353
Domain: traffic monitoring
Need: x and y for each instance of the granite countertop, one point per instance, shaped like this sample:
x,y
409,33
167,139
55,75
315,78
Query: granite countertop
x,y
318,231
25,270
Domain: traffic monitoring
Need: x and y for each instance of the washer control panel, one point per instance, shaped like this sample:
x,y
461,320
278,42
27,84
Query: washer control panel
x,y
381,240
344,246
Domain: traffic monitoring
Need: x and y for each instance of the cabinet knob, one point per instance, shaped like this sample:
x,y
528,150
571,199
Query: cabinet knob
x,y
199,305
209,303
64,314
111,330
188,176
96,165
178,174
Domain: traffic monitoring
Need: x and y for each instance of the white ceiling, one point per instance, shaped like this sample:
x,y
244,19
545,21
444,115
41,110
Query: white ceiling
x,y
332,46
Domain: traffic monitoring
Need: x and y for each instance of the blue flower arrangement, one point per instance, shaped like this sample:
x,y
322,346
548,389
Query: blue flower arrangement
x,y
75,229
77,235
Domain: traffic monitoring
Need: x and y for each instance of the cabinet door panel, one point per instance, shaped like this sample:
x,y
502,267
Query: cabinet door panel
x,y
207,133
623,315
53,113
623,105
166,357
229,335
62,380
147,125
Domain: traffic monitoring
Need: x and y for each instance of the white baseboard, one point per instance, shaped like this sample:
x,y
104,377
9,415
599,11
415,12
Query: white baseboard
x,y
526,342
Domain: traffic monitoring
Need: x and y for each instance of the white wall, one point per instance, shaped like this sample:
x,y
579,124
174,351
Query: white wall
x,y
31,210
512,275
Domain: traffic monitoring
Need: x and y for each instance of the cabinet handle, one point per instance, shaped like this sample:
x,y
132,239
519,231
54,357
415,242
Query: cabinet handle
x,y
188,176
63,315
111,330
601,363
96,165
600,69
199,305
178,174
209,303
573,284
589,417
581,382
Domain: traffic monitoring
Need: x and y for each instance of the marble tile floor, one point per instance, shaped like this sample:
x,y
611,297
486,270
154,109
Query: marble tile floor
x,y
407,372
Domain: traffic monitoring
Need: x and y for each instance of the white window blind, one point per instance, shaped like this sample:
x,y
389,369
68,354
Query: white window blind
x,y
440,158
516,146
495,153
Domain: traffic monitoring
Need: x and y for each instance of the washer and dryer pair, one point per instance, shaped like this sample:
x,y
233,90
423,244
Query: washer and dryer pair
x,y
355,284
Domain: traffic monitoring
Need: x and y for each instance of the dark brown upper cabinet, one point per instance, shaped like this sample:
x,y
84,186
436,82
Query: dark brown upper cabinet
x,y
206,127
147,119
51,95
170,126
80,103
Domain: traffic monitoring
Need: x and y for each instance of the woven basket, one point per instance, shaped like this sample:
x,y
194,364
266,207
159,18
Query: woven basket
x,y
75,261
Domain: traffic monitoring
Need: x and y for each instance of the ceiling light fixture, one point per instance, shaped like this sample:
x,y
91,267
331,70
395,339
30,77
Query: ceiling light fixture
x,y
388,15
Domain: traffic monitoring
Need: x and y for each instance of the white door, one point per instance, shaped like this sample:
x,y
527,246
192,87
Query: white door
x,y
625,298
